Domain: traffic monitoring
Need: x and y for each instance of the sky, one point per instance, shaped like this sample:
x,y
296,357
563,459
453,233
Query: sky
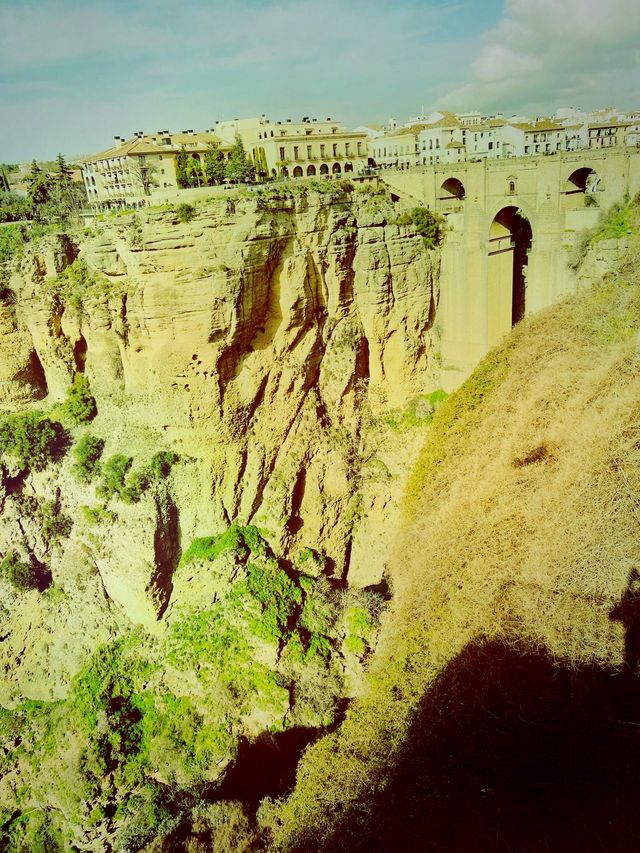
x,y
75,73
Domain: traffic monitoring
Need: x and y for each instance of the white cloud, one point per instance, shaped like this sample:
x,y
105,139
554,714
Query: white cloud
x,y
544,52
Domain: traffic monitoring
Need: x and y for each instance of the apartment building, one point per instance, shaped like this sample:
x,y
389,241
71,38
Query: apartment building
x,y
607,133
128,173
304,149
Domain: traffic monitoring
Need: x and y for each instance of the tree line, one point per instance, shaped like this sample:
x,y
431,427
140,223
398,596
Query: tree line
x,y
52,196
214,168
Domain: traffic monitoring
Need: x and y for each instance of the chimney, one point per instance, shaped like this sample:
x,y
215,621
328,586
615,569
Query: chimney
x,y
118,141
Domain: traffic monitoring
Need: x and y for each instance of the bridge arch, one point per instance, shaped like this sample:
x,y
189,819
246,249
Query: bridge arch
x,y
509,240
581,188
450,196
582,180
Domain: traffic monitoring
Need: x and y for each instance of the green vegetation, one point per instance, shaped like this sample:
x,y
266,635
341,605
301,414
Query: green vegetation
x,y
116,481
146,755
12,240
52,198
23,574
185,212
618,221
32,440
52,522
239,166
78,284
419,412
80,405
214,165
112,476
86,456
134,232
235,538
426,222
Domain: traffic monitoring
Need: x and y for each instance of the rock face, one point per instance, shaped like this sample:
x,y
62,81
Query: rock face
x,y
264,342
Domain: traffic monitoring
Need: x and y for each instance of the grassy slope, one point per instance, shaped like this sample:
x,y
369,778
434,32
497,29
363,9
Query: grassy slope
x,y
525,507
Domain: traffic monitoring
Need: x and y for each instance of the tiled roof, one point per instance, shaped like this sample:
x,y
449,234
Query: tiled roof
x,y
146,145
534,127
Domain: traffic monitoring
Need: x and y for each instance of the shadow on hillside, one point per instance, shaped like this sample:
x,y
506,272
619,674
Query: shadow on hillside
x,y
511,752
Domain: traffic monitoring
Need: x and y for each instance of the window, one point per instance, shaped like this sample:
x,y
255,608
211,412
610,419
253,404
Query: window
x,y
295,152
322,149
346,148
282,157
359,147
491,146
335,149
309,152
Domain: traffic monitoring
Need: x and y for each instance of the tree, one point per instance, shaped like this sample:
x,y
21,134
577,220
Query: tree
x,y
194,172
214,164
239,167
39,186
145,173
182,161
260,163
62,173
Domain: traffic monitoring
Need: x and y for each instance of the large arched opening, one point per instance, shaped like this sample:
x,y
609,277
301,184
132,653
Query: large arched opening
x,y
297,172
311,170
451,196
510,239
324,169
336,169
452,189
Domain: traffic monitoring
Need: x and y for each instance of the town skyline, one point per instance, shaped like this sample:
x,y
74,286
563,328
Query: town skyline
x,y
74,75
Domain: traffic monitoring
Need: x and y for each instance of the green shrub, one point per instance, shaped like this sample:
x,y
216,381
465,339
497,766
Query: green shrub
x,y
12,240
426,223
311,561
32,440
77,283
185,212
80,405
235,538
24,575
96,514
87,453
114,472
134,233
145,475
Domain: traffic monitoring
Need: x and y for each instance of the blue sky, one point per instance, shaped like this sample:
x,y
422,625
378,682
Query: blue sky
x,y
73,74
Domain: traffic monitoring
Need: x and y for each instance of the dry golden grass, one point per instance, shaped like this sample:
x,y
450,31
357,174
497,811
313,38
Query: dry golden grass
x,y
522,523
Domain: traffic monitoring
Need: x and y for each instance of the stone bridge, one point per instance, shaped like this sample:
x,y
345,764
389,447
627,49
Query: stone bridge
x,y
512,227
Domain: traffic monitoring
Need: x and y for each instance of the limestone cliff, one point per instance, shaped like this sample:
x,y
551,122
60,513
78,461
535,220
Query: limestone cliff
x,y
264,342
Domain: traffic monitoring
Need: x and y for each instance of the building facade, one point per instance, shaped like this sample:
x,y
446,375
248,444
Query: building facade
x,y
128,174
305,149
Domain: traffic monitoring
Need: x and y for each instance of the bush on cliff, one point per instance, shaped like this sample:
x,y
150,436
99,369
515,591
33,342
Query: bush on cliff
x,y
87,453
426,222
80,405
32,441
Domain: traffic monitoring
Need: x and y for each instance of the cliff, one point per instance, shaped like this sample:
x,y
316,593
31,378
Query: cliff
x,y
208,426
